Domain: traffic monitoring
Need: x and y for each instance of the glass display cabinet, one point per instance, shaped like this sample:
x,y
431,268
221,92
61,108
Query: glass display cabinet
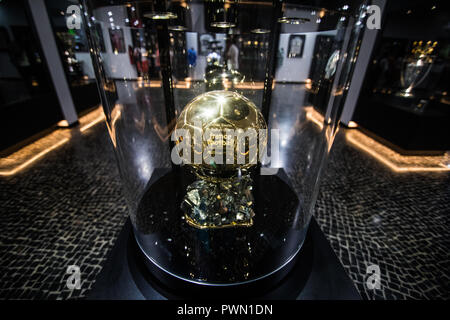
x,y
221,114
404,102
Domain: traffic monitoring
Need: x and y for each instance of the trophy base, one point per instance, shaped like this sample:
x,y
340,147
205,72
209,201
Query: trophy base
x,y
219,204
316,273
274,285
220,256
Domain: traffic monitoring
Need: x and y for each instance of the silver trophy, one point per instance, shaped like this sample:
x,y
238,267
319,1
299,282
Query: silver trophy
x,y
416,67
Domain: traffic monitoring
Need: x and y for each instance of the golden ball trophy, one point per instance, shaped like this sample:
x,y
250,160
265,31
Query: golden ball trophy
x,y
229,133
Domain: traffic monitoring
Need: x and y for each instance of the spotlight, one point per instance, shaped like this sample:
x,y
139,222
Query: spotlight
x,y
223,24
260,31
161,15
293,20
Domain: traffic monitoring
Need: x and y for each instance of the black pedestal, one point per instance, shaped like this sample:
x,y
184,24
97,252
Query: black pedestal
x,y
410,126
316,274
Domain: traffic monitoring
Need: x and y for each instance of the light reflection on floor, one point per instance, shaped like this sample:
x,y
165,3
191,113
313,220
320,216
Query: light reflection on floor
x,y
26,156
384,154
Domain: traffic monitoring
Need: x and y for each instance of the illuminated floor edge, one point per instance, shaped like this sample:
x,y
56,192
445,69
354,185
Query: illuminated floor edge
x,y
384,154
392,159
34,151
27,155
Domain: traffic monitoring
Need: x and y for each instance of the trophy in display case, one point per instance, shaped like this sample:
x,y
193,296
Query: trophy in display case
x,y
230,132
416,67
220,170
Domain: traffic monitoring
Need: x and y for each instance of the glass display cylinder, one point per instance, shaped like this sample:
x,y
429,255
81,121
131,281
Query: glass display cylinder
x,y
267,79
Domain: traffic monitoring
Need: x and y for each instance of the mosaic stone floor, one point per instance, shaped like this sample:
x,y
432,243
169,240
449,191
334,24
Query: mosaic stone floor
x,y
68,209
398,221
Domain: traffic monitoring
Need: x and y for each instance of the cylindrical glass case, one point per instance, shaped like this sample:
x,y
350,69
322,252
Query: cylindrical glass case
x,y
221,114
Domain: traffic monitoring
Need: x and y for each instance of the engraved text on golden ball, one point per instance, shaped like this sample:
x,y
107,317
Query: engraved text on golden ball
x,y
223,112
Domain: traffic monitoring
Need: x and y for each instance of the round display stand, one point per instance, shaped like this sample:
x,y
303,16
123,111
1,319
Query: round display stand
x,y
286,283
244,261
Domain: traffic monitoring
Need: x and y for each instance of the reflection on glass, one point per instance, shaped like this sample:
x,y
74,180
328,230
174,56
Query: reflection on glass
x,y
221,224
404,99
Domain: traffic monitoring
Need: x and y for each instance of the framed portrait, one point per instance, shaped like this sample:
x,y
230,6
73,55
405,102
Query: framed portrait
x,y
296,45
203,43
117,40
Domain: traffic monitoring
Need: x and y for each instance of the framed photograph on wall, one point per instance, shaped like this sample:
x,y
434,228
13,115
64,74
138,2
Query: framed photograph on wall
x,y
117,40
203,43
296,45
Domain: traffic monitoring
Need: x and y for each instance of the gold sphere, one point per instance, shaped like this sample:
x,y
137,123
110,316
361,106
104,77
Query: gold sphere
x,y
221,113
